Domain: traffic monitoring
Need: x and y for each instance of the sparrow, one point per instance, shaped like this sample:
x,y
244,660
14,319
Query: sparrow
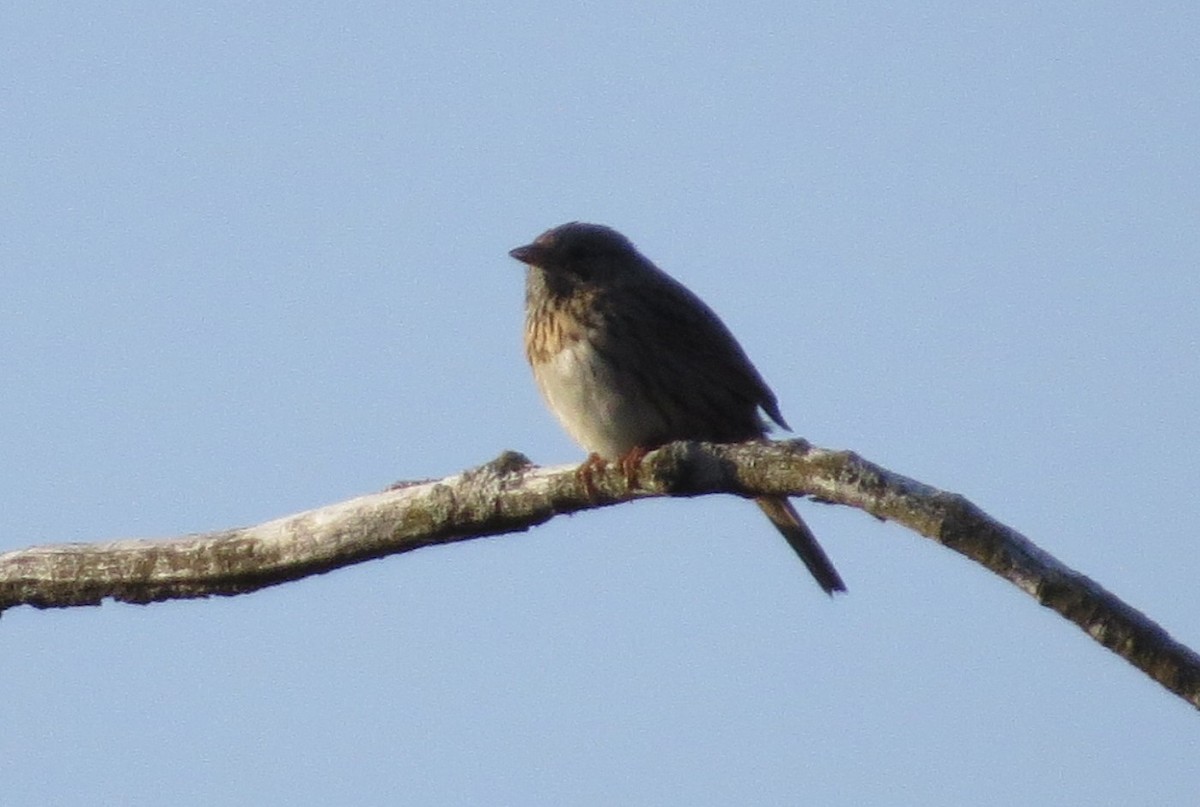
x,y
628,359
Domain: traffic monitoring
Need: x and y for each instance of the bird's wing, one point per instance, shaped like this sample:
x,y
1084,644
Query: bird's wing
x,y
695,355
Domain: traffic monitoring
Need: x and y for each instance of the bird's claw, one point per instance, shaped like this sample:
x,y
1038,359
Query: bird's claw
x,y
630,463
585,473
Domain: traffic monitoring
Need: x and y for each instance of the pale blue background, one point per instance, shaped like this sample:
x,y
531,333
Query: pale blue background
x,y
252,260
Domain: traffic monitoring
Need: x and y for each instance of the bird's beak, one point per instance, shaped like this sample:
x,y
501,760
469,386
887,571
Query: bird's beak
x,y
530,254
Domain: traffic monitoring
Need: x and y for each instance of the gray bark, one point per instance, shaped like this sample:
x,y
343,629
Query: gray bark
x,y
510,495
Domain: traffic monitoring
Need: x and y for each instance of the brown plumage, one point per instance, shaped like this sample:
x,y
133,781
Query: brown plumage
x,y
628,359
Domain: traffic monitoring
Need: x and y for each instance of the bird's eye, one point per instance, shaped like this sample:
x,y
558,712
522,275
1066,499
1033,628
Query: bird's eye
x,y
578,260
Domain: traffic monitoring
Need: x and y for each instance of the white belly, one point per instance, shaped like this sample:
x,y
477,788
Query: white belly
x,y
602,413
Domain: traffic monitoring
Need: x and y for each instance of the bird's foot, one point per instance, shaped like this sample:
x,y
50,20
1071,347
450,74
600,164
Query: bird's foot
x,y
585,474
630,464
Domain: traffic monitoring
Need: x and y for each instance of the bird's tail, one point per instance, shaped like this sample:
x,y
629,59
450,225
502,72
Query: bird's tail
x,y
788,522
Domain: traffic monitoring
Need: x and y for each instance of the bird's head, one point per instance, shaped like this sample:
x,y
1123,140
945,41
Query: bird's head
x,y
586,252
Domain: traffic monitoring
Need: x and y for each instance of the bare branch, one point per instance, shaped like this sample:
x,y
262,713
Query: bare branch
x,y
509,495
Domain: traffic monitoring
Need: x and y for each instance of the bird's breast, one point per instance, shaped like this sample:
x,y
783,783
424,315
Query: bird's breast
x,y
595,399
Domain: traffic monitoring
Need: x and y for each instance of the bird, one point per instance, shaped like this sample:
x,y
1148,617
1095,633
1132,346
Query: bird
x,y
628,359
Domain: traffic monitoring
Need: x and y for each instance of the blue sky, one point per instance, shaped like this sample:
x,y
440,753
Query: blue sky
x,y
253,260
